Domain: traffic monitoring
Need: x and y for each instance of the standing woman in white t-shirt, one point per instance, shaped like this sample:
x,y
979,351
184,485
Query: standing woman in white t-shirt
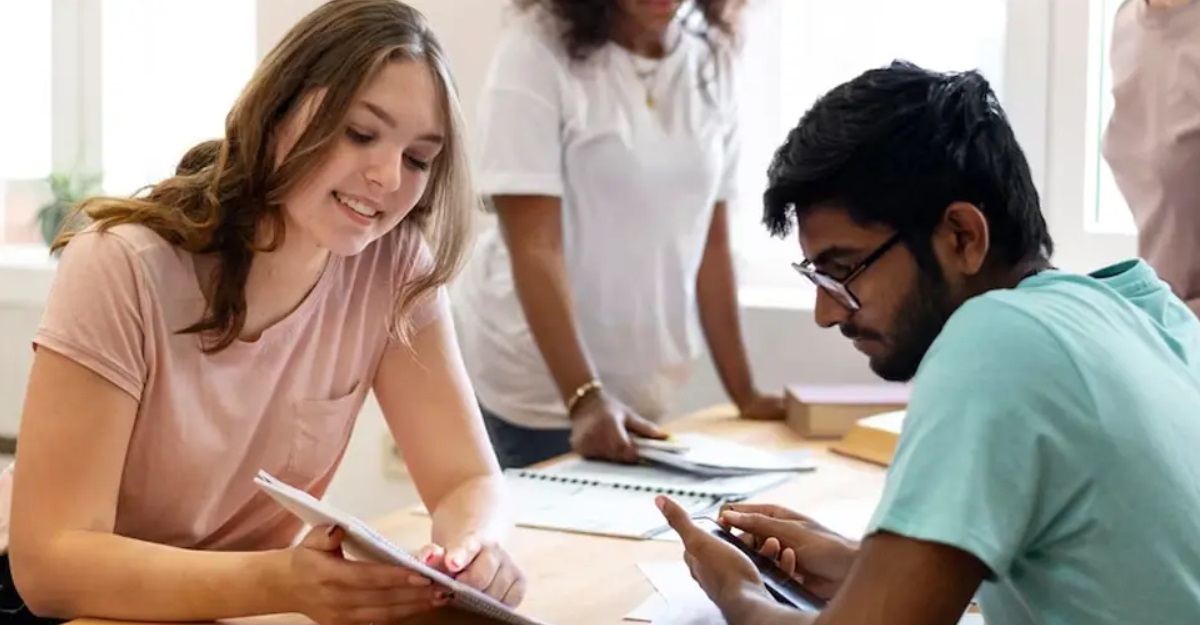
x,y
609,151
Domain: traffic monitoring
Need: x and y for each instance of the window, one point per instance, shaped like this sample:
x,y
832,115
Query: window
x,y
1111,212
117,87
25,114
1087,215
1046,60
165,86
800,50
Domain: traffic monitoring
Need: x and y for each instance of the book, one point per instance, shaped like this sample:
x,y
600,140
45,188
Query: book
x,y
365,544
873,438
831,410
610,499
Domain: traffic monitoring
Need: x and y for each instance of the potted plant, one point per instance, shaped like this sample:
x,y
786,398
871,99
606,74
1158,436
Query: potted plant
x,y
67,190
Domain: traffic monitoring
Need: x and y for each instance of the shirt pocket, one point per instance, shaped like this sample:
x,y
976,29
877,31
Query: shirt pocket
x,y
322,430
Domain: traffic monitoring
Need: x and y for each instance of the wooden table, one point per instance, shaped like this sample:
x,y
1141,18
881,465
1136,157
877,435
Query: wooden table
x,y
580,579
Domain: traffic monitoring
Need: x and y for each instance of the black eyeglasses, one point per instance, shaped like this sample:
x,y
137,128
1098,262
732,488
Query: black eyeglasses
x,y
839,288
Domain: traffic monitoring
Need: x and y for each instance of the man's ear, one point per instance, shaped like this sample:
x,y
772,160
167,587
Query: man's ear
x,y
961,240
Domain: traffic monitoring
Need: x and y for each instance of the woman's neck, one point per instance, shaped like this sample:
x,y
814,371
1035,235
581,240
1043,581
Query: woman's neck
x,y
650,43
280,280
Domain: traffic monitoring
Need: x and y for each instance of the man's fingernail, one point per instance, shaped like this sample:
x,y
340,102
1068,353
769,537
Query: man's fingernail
x,y
331,530
660,501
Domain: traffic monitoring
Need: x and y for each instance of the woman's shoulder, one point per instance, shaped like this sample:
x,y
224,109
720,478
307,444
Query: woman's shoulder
x,y
137,245
533,35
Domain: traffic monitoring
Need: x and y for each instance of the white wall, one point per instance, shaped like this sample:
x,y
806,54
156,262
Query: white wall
x,y
784,344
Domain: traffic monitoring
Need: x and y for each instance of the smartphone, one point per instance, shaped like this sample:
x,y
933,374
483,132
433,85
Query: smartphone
x,y
782,586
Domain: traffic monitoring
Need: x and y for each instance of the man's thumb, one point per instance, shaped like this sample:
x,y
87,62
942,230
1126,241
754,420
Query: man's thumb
x,y
788,532
324,538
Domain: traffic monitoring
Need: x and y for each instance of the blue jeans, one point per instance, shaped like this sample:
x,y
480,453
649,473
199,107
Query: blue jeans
x,y
517,447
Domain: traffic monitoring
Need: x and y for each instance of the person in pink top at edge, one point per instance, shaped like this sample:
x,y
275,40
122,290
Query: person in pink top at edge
x,y
1152,141
231,319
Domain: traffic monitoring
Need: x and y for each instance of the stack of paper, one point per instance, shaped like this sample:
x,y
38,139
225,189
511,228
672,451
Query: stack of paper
x,y
660,479
711,456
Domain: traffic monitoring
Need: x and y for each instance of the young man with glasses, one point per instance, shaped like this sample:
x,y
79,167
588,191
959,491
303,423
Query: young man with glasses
x,y
1047,465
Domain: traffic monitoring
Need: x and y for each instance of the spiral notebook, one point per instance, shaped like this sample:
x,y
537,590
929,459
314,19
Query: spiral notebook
x,y
364,543
618,500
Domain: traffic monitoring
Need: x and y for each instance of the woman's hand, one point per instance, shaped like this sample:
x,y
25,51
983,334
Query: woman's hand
x,y
331,590
762,408
480,564
601,425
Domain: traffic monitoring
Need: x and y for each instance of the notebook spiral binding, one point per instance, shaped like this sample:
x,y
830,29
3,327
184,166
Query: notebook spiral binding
x,y
568,479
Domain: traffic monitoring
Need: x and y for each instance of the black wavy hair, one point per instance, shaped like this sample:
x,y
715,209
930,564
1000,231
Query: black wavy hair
x,y
896,146
588,23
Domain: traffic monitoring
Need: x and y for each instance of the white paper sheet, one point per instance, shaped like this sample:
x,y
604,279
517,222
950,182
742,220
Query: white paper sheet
x,y
673,584
678,599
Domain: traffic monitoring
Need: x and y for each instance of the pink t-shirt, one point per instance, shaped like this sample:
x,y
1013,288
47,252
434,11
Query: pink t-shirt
x,y
206,424
1152,142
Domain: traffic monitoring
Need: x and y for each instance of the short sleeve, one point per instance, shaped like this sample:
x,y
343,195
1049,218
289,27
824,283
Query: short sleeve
x,y
520,127
732,140
95,310
988,458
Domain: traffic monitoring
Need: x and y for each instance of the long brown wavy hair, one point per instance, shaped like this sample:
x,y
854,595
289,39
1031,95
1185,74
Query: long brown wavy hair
x,y
588,24
224,192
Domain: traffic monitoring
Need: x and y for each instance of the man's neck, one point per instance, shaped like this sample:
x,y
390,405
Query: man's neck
x,y
1004,277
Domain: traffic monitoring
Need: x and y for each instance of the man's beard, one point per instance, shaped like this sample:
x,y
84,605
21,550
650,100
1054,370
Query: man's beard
x,y
921,317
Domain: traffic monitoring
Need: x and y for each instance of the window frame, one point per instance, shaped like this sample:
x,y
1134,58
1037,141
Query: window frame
x,y
76,126
1051,83
74,81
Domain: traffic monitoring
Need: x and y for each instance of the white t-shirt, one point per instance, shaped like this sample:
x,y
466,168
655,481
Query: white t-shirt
x,y
638,186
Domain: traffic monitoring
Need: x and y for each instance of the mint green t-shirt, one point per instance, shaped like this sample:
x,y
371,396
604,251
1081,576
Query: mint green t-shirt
x,y
1054,432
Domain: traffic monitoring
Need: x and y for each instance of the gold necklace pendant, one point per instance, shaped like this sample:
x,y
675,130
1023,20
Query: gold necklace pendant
x,y
650,100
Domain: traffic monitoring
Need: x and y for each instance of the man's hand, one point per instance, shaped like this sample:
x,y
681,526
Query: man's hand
x,y
725,574
817,557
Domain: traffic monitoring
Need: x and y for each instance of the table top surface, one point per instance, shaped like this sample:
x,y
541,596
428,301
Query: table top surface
x,y
594,580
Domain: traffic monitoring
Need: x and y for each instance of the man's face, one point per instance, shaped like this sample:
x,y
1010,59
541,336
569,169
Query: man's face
x,y
902,308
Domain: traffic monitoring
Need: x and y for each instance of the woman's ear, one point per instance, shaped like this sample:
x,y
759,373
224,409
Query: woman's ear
x,y
962,239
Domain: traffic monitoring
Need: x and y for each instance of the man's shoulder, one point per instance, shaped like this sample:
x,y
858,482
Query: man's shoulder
x,y
1044,306
1008,314
1013,334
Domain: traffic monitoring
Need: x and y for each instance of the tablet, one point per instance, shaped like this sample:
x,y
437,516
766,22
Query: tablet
x,y
782,586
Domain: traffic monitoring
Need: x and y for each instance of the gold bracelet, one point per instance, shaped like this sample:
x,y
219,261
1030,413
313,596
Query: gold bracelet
x,y
581,392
